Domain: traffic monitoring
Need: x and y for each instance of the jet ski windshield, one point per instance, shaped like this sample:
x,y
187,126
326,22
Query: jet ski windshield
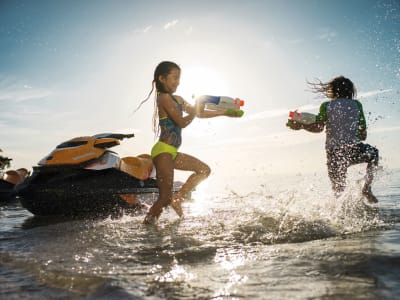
x,y
119,136
70,144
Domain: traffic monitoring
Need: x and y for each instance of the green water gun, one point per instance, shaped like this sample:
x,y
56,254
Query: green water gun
x,y
234,112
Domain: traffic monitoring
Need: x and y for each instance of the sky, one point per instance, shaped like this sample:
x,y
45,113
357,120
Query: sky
x,y
77,68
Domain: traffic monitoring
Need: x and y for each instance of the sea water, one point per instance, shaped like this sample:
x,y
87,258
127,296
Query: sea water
x,y
269,238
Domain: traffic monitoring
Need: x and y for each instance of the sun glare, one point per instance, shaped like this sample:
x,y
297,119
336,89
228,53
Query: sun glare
x,y
201,80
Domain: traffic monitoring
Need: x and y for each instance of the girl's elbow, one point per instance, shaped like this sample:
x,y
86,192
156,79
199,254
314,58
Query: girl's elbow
x,y
183,125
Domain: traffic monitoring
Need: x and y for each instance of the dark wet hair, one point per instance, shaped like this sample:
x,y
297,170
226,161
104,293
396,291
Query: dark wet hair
x,y
338,87
162,70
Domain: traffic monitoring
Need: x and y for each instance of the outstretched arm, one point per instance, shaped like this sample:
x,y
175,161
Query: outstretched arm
x,y
314,127
317,126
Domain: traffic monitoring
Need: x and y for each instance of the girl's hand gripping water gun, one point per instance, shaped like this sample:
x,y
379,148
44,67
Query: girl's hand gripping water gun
x,y
297,119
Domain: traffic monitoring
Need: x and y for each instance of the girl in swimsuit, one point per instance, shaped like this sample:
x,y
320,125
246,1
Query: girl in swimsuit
x,y
343,118
168,122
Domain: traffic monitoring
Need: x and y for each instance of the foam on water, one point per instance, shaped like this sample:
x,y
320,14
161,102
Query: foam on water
x,y
305,211
233,243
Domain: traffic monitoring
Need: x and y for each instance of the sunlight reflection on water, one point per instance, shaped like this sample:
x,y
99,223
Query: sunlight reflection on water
x,y
277,241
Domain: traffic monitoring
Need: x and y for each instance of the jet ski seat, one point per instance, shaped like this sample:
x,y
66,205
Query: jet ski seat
x,y
140,166
15,176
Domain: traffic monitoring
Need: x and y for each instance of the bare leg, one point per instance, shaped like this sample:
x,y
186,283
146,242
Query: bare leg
x,y
201,171
165,177
371,169
362,153
337,171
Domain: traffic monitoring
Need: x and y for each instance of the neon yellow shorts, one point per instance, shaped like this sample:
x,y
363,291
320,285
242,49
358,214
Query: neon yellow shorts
x,y
161,147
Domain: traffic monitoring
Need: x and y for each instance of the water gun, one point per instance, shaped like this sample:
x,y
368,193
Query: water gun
x,y
232,106
296,119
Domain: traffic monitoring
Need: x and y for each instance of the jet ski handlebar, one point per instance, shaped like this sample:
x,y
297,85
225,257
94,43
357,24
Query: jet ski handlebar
x,y
119,136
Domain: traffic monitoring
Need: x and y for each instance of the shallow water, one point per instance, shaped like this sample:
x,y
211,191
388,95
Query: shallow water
x,y
275,239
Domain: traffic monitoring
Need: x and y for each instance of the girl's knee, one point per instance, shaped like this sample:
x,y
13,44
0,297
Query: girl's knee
x,y
205,171
376,155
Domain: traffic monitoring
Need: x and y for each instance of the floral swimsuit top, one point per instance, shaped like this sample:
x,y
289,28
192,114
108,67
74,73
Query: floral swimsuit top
x,y
171,133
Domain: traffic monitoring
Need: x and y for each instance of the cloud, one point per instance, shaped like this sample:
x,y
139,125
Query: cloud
x,y
267,114
170,24
272,113
143,30
147,28
296,41
24,104
12,90
189,30
167,26
278,140
386,129
374,93
326,34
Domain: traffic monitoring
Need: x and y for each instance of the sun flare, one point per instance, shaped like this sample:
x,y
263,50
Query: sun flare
x,y
201,80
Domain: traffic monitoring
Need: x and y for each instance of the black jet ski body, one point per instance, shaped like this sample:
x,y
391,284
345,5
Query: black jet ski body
x,y
83,177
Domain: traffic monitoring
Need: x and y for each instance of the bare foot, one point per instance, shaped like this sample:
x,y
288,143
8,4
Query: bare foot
x,y
129,198
150,220
176,205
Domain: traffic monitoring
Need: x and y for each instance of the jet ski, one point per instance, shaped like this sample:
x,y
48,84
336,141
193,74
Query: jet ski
x,y
8,180
6,189
83,177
